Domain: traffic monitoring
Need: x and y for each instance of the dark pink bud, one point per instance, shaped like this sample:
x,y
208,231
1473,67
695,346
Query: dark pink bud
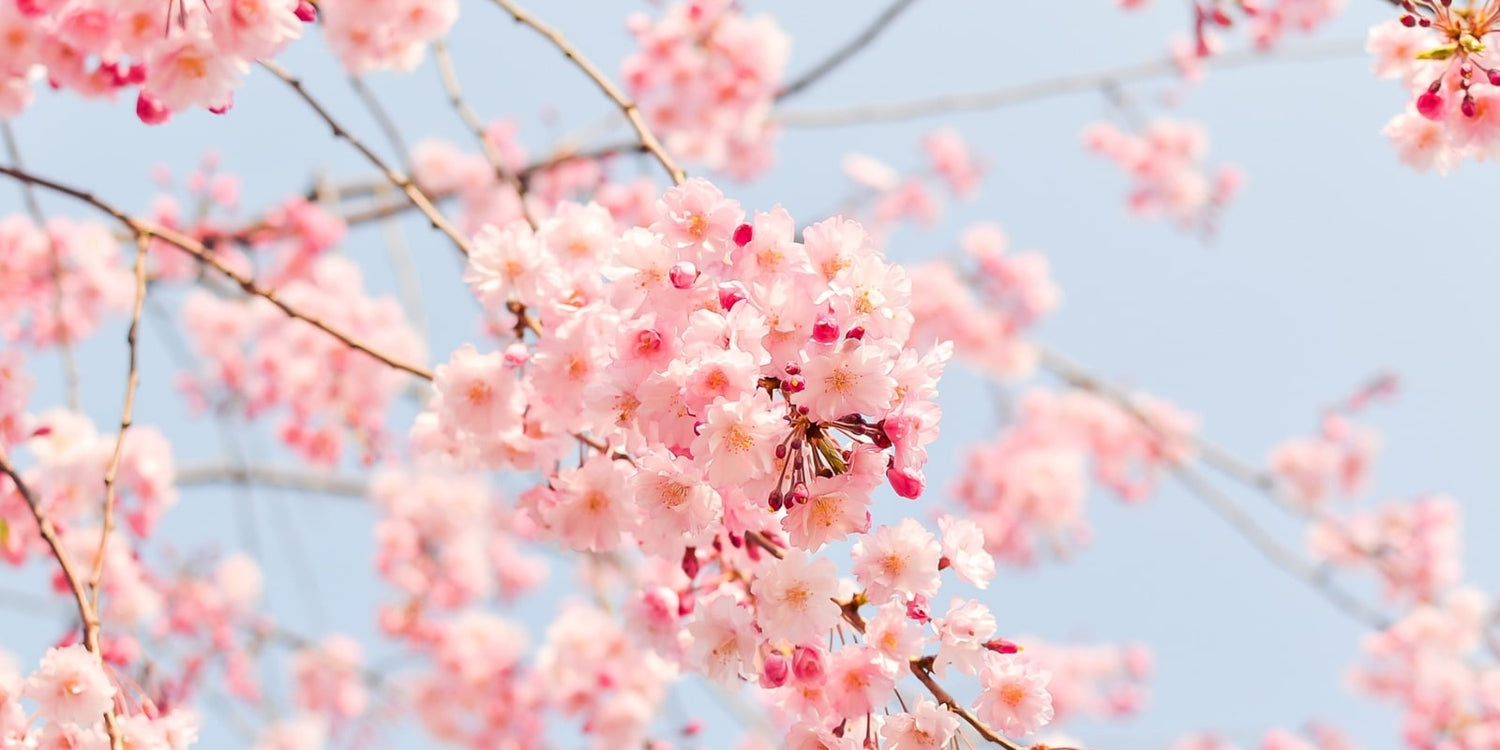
x,y
1468,107
730,295
792,368
150,110
1002,646
222,108
683,274
856,333
908,484
775,671
774,501
1430,105
743,234
916,609
136,75
306,12
826,330
690,562
808,666
793,385
647,341
1408,20
944,563
692,728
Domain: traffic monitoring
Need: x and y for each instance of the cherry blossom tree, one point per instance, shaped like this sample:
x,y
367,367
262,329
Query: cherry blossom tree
x,y
656,465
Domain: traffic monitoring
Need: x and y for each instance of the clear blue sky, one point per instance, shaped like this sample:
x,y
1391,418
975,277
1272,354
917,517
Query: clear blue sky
x,y
1335,262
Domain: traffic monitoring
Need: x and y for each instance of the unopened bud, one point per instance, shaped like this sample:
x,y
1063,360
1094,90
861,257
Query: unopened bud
x,y
683,274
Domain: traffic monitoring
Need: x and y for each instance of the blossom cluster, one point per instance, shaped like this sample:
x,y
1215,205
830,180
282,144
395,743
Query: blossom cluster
x,y
706,76
176,55
1442,58
1165,165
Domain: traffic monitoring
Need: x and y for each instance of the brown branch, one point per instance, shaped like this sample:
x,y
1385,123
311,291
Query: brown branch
x,y
922,669
449,75
413,193
1049,87
848,50
34,208
127,413
628,107
86,610
197,250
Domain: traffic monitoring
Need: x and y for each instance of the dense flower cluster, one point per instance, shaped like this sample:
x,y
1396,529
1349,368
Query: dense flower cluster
x,y
177,55
706,77
1442,57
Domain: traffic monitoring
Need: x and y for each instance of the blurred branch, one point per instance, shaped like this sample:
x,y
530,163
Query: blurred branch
x,y
1047,88
451,86
848,50
197,250
415,195
627,107
270,476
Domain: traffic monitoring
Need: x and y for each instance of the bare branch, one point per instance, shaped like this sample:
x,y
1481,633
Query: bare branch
x,y
455,92
413,193
127,413
848,50
270,476
197,250
627,106
1049,87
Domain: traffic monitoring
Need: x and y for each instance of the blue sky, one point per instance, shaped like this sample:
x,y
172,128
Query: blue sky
x,y
1334,263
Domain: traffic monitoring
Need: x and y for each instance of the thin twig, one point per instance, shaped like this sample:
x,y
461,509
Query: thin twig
x,y
270,476
626,105
86,610
1274,551
34,207
413,193
1049,87
383,119
127,414
197,250
848,50
449,75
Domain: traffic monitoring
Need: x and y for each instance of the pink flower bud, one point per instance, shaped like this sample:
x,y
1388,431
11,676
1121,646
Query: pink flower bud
x,y
916,609
776,670
730,295
223,108
690,562
908,484
808,665
1430,106
743,234
150,110
826,330
306,12
683,274
1002,646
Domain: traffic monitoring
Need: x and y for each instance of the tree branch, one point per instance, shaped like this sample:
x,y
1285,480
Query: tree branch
x,y
197,250
1047,88
413,193
848,50
86,610
628,107
270,476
